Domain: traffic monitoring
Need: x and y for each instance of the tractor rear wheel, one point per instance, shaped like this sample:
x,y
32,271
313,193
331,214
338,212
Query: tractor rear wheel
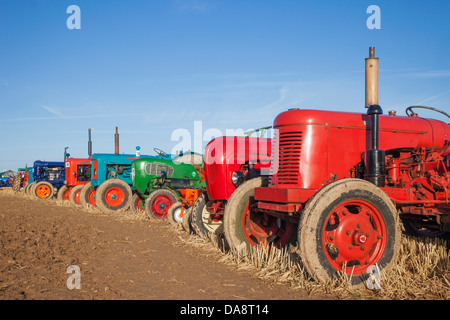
x,y
87,195
43,190
349,226
246,229
202,223
113,195
158,203
174,214
63,193
137,204
16,184
74,195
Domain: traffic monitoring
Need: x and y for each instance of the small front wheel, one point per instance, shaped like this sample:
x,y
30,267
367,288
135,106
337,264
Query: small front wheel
x,y
246,228
158,203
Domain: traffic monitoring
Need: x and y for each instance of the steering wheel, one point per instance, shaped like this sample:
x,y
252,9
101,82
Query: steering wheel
x,y
160,152
411,113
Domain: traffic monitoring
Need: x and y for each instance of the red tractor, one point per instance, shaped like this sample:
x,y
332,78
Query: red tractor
x,y
228,163
342,182
21,180
78,174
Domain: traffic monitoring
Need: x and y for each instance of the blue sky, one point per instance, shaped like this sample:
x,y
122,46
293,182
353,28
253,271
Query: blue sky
x,y
151,67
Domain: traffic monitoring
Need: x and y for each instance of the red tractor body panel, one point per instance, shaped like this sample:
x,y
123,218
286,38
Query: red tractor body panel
x,y
225,155
78,171
314,148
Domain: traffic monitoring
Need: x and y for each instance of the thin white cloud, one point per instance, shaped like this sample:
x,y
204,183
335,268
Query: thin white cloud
x,y
52,111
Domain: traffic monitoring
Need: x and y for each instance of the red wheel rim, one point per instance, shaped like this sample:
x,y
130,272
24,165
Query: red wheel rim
x,y
76,196
139,204
43,191
160,205
66,195
91,196
264,229
354,235
114,197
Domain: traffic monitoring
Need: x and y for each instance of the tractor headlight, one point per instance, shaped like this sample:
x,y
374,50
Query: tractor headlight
x,y
237,178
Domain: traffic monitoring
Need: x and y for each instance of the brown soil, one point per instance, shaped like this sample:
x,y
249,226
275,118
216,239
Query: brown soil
x,y
120,257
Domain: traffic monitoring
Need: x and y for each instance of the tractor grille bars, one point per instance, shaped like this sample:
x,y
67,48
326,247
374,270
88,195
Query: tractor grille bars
x,y
289,150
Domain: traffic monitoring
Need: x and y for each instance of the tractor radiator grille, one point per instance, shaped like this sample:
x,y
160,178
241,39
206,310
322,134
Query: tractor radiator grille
x,y
289,150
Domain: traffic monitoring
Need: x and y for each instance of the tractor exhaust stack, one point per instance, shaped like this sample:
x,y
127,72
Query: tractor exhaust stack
x,y
374,159
371,79
90,144
116,142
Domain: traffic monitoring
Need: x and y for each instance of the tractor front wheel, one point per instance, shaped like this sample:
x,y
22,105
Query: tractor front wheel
x,y
113,195
87,195
158,203
63,194
29,189
174,214
43,190
202,223
74,195
245,228
349,226
137,204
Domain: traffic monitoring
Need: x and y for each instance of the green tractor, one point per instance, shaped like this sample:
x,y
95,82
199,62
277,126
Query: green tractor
x,y
160,183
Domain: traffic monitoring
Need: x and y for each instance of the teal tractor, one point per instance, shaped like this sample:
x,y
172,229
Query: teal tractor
x,y
160,183
110,188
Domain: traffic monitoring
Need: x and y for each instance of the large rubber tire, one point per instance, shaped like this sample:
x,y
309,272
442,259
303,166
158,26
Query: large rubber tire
x,y
29,189
137,204
43,190
158,203
174,214
87,195
16,185
74,195
245,229
113,195
348,222
63,194
186,223
201,220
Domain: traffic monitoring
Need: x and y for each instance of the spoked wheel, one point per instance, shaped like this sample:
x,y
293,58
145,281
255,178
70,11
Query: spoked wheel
x,y
158,203
87,195
113,195
246,229
174,215
348,226
63,193
43,190
74,195
202,222
137,204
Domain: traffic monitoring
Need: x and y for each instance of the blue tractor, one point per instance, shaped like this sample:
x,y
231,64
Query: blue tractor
x,y
7,178
111,187
48,177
